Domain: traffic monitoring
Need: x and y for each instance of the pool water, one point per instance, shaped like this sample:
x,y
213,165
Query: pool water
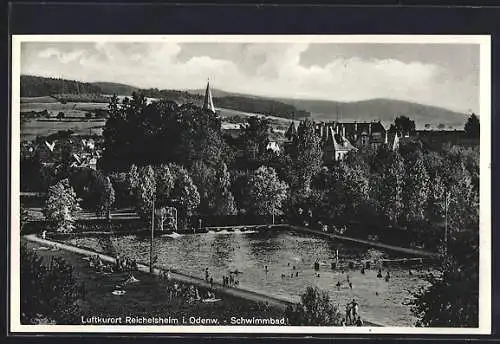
x,y
284,253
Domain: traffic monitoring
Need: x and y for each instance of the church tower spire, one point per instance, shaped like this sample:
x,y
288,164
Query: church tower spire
x,y
208,103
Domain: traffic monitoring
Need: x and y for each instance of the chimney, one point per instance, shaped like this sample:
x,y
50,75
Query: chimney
x,y
370,128
343,130
331,134
337,129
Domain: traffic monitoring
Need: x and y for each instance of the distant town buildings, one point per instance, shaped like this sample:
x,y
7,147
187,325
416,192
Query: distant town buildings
x,y
340,138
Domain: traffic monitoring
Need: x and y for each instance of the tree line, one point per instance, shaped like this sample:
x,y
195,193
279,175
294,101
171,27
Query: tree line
x,y
413,187
35,86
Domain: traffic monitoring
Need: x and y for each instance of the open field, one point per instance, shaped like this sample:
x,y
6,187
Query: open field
x,y
44,99
32,128
68,108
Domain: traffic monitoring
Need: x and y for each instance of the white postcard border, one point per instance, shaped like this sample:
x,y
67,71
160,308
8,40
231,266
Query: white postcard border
x,y
485,182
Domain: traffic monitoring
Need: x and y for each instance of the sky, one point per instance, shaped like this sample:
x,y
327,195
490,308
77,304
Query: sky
x,y
445,75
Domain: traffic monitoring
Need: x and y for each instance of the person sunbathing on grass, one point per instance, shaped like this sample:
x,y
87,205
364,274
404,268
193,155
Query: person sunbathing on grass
x,y
131,279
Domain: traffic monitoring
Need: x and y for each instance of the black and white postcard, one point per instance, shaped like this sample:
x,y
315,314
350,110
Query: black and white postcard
x,y
251,184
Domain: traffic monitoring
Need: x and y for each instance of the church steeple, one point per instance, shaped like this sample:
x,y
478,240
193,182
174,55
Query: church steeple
x,y
208,103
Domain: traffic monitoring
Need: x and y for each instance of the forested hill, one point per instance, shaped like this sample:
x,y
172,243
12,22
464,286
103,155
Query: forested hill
x,y
115,88
227,100
385,110
35,86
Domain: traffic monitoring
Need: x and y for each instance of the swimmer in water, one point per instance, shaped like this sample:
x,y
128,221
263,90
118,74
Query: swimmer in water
x,y
297,274
350,285
338,285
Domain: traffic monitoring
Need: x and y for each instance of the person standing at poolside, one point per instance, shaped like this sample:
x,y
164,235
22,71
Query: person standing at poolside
x,y
348,318
206,274
354,306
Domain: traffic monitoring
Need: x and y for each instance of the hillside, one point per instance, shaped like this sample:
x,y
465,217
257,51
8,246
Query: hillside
x,y
222,99
35,86
384,110
115,88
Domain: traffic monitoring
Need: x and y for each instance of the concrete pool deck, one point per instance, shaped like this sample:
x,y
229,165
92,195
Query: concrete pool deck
x,y
184,278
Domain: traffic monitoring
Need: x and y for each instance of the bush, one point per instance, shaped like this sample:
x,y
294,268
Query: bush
x,y
315,309
48,292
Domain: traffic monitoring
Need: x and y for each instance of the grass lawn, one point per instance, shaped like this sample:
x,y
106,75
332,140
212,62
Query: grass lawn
x,y
149,297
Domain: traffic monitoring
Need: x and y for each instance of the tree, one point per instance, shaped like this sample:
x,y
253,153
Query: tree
x,y
184,193
88,115
307,156
203,178
463,201
223,198
133,178
145,192
452,297
61,206
137,132
403,125
472,127
315,309
240,188
389,197
164,184
60,115
255,136
48,292
347,191
266,192
436,200
106,196
416,192
214,187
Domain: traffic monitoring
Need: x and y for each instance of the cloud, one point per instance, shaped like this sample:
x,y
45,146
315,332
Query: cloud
x,y
260,69
63,57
